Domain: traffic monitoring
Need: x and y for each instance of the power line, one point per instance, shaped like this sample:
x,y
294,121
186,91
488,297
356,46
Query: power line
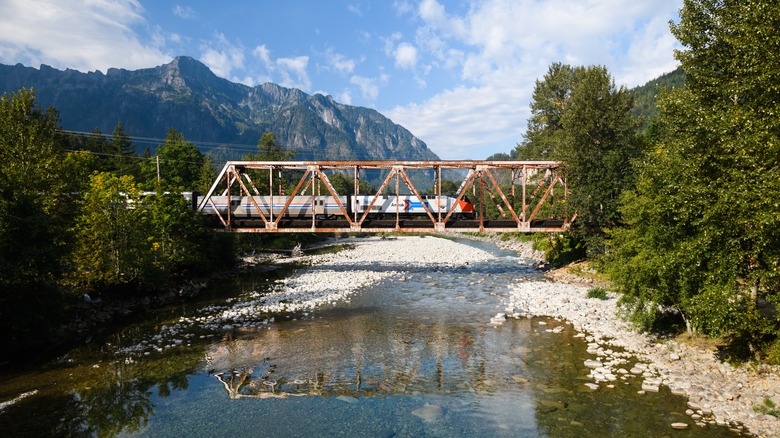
x,y
309,153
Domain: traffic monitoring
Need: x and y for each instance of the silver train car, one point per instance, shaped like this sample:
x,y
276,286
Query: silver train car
x,y
326,207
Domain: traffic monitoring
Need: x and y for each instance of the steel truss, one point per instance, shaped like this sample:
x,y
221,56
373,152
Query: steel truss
x,y
519,214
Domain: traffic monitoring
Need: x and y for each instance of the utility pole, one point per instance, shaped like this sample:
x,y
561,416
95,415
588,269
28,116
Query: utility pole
x,y
158,168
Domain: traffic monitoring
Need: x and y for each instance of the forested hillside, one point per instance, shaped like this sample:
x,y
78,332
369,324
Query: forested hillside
x,y
646,96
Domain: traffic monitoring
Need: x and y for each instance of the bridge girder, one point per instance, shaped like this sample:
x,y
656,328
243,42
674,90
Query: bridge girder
x,y
500,181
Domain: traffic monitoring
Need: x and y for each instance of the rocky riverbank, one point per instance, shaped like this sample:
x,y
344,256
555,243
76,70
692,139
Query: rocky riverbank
x,y
717,392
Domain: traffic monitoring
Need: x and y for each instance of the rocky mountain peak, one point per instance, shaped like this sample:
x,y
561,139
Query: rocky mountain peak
x,y
185,95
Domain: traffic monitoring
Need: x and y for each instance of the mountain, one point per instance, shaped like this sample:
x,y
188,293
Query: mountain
x,y
208,110
645,96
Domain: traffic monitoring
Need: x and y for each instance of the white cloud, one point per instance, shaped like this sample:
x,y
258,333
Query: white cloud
x,y
264,55
405,56
222,56
345,98
78,34
339,62
402,7
461,123
185,12
293,71
369,87
500,47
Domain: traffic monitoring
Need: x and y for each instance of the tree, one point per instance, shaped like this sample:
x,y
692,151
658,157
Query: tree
x,y
111,234
180,164
704,233
599,144
269,150
581,118
31,199
549,102
32,219
175,236
124,157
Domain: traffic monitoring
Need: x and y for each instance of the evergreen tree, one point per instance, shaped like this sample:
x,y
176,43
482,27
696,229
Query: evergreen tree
x,y
269,150
124,157
579,117
180,164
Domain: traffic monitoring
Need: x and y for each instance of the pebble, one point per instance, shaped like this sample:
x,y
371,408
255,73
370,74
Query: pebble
x,y
716,391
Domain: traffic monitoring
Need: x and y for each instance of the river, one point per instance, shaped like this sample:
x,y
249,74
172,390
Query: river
x,y
407,350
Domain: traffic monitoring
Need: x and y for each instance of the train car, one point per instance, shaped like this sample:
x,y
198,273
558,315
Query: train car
x,y
327,207
410,205
300,207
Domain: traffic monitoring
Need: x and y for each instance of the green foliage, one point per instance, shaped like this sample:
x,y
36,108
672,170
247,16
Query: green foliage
x,y
549,103
559,249
111,233
128,240
702,227
599,148
767,408
32,219
181,165
645,96
581,118
773,353
597,293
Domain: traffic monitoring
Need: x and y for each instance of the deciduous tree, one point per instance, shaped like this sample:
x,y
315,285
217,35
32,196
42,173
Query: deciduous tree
x,y
704,228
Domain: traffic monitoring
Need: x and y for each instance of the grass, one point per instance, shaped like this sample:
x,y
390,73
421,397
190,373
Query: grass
x,y
597,292
768,408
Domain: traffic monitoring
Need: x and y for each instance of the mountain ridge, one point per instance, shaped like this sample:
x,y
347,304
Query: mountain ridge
x,y
187,96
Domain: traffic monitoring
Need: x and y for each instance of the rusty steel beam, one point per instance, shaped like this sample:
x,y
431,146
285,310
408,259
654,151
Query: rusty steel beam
x,y
479,178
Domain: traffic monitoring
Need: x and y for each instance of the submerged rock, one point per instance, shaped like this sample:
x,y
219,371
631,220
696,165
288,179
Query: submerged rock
x,y
429,412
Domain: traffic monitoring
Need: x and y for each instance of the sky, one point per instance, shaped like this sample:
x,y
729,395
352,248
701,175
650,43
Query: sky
x,y
458,74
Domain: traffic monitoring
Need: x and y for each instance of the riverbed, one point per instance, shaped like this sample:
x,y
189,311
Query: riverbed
x,y
406,336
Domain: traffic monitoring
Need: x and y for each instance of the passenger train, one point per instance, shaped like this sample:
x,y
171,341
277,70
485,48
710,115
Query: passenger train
x,y
326,207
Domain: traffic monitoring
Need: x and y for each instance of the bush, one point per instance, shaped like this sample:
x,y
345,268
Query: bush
x,y
559,249
773,353
597,292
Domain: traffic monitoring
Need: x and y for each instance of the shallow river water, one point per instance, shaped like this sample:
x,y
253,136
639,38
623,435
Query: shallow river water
x,y
410,356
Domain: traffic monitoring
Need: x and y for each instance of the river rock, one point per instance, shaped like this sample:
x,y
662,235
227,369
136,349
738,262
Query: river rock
x,y
680,426
429,412
590,363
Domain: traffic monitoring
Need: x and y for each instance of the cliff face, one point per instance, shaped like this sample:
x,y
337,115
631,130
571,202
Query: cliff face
x,y
187,96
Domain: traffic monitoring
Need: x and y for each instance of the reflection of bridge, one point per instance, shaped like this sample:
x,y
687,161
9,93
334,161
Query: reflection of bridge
x,y
505,196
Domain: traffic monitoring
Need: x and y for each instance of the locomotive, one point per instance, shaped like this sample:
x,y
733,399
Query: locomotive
x,y
326,207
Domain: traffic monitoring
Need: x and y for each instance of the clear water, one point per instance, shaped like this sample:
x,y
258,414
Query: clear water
x,y
403,358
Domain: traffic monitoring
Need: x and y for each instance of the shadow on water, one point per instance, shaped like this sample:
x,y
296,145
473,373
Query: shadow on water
x,y
411,356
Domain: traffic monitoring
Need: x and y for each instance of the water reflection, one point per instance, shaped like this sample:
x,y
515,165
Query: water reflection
x,y
367,353
405,358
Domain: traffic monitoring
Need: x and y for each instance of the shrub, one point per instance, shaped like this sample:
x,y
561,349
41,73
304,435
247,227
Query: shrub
x,y
597,292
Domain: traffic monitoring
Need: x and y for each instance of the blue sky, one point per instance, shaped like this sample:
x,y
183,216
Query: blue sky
x,y
458,74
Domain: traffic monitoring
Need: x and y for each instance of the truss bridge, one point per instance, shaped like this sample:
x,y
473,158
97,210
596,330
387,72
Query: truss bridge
x,y
387,196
